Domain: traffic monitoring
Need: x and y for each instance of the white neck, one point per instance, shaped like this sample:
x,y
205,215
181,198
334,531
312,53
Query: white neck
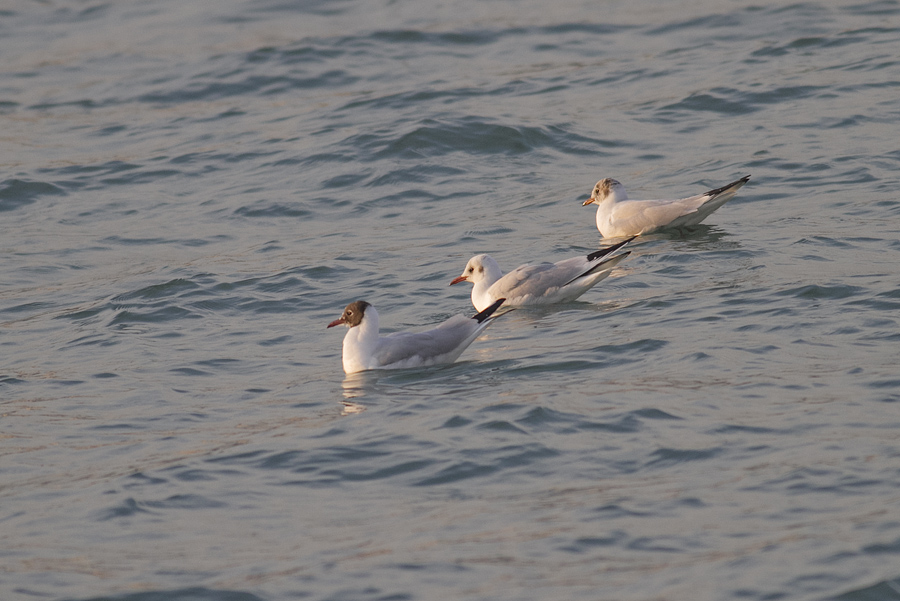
x,y
360,343
617,194
492,272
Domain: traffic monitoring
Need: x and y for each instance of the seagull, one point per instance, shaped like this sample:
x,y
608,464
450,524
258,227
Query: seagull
x,y
365,349
618,216
541,284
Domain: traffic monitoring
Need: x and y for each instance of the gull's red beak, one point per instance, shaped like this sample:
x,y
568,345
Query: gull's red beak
x,y
587,202
336,322
461,278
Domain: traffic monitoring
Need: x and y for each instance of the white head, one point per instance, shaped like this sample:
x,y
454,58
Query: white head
x,y
607,189
483,272
480,268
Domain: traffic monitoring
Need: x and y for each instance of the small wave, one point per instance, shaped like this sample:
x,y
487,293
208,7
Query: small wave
x,y
250,85
127,508
472,135
17,193
185,594
729,101
817,292
886,590
667,457
269,209
805,44
526,456
168,289
192,242
463,38
160,315
706,23
877,8
492,231
584,544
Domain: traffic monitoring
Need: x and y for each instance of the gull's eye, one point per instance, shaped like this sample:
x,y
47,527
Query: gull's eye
x,y
471,269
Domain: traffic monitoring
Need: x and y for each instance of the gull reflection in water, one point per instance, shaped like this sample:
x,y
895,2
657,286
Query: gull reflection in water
x,y
359,384
351,408
356,386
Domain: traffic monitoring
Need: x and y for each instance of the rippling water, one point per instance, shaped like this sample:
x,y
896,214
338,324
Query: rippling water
x,y
191,191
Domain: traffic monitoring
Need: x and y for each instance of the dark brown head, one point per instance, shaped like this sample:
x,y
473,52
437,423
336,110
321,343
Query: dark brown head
x,y
352,315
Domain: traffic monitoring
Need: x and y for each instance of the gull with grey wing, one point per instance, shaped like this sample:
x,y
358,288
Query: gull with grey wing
x,y
617,215
541,284
365,349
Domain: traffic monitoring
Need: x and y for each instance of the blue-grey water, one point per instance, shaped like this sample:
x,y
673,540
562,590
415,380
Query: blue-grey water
x,y
191,191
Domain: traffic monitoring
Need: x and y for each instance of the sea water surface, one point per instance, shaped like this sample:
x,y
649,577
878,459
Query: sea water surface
x,y
191,191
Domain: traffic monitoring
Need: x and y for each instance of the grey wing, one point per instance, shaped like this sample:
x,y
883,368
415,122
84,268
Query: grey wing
x,y
536,280
647,215
644,215
425,346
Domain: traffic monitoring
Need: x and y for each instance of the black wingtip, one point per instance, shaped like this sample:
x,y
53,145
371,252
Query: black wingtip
x,y
737,182
482,315
597,267
605,251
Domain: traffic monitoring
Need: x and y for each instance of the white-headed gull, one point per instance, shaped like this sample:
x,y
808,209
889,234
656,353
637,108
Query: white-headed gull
x,y
365,349
618,216
541,284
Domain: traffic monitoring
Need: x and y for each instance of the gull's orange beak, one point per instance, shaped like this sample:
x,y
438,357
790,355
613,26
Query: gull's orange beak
x,y
461,278
587,202
336,322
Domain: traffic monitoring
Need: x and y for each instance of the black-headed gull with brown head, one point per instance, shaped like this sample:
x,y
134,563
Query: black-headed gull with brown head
x,y
365,349
618,216
542,284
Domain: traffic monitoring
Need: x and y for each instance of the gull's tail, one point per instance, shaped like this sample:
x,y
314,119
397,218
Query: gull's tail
x,y
605,251
735,184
